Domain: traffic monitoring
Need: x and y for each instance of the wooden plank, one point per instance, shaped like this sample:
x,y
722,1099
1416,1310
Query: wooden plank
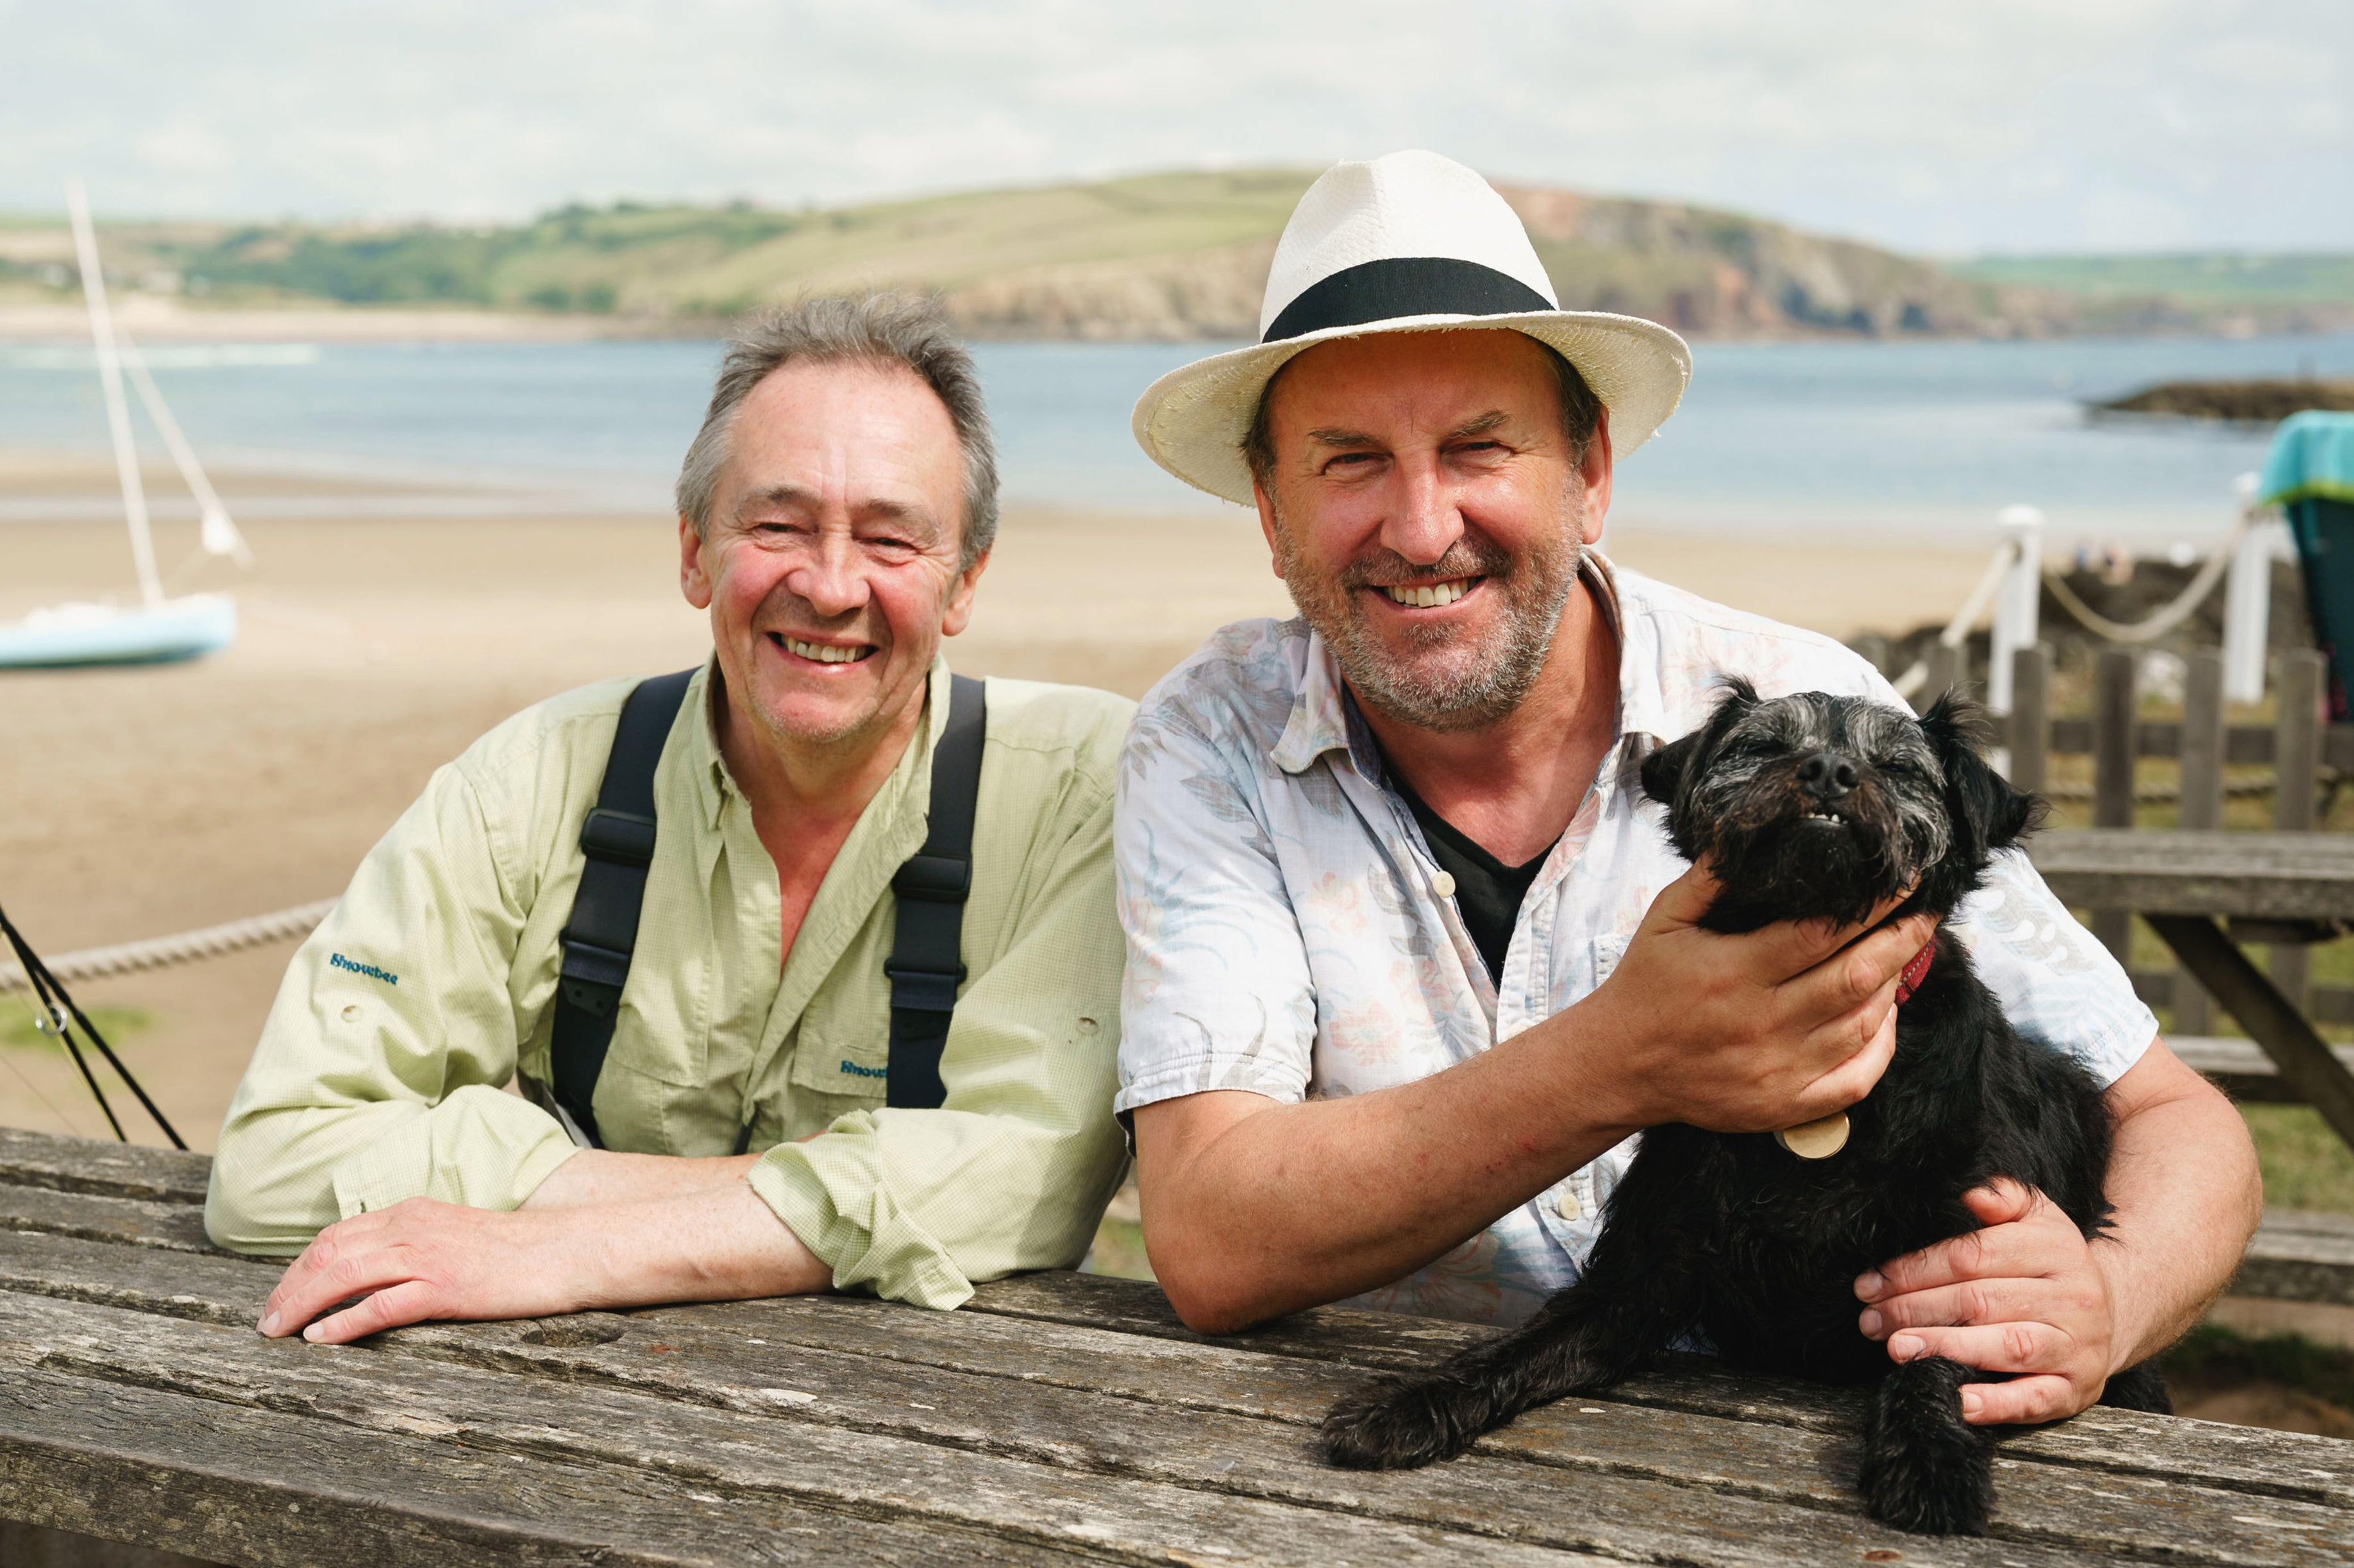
x,y
93,1165
1943,674
2303,1057
2152,871
2243,1458
2045,1515
725,1450
713,1355
133,1221
2240,1068
2200,798
2028,729
2300,1256
236,1484
218,1287
2113,708
2304,674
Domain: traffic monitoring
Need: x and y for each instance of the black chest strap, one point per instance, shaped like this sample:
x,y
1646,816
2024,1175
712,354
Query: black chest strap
x,y
619,841
925,964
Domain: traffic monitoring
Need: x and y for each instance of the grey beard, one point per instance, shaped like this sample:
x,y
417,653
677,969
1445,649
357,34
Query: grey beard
x,y
1446,680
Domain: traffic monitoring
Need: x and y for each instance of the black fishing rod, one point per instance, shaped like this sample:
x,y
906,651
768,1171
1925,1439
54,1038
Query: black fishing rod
x,y
64,1020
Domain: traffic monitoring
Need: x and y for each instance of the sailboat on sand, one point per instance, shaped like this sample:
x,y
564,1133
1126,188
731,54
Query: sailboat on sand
x,y
157,630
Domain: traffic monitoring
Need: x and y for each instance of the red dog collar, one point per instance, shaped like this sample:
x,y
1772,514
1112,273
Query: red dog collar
x,y
1910,980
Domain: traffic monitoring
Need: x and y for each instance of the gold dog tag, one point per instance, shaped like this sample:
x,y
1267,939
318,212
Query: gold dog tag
x,y
1816,1140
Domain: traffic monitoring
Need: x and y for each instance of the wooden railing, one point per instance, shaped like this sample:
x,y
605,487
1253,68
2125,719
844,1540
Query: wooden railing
x,y
2302,750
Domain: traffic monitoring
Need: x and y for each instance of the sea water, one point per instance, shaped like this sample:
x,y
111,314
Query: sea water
x,y
1905,442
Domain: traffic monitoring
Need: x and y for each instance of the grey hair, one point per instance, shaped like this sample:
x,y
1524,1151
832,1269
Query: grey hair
x,y
880,330
1581,412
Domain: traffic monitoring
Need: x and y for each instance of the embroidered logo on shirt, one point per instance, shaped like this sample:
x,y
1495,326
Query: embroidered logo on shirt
x,y
337,961
856,1071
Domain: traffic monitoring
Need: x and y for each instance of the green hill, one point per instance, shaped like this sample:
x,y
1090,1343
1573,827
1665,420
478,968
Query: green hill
x,y
1153,256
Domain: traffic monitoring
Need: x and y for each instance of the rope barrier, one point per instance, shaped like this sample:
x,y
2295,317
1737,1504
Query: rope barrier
x,y
161,952
2161,622
1957,631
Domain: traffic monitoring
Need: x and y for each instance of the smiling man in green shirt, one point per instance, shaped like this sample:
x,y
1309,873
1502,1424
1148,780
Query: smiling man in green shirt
x,y
836,512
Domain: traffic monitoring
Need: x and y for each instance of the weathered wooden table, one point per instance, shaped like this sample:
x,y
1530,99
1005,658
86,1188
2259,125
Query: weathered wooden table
x,y
2204,893
1057,1418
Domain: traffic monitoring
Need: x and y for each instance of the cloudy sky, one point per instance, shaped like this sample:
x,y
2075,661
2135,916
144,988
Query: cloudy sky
x,y
1960,126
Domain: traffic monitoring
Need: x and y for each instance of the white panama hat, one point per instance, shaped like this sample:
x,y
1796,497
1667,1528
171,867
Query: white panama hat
x,y
1412,242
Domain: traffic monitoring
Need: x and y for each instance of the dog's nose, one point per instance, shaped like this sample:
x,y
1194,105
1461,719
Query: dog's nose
x,y
1826,774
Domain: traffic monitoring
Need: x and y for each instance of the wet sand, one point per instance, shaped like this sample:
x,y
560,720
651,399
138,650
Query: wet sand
x,y
140,802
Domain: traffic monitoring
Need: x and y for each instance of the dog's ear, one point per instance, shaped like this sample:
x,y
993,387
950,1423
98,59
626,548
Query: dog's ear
x,y
1996,815
1663,770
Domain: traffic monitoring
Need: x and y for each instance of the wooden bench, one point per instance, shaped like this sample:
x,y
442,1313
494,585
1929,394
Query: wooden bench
x,y
1057,1418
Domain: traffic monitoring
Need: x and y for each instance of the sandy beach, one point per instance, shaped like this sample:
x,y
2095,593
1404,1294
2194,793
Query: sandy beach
x,y
140,802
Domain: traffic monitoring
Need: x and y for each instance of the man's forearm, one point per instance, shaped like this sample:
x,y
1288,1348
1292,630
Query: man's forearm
x,y
1257,1209
595,1176
2184,1187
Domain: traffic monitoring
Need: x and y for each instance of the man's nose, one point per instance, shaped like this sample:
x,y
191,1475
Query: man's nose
x,y
827,579
1827,776
1425,522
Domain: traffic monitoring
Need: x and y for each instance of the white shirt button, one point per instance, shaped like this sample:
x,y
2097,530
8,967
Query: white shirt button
x,y
1567,1205
1443,884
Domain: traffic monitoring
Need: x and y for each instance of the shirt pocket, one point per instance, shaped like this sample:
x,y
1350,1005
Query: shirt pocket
x,y
843,1047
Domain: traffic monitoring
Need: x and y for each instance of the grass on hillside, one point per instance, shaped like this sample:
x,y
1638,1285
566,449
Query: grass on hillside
x,y
2217,277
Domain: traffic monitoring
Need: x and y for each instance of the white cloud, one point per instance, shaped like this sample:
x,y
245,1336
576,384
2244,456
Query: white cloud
x,y
1995,124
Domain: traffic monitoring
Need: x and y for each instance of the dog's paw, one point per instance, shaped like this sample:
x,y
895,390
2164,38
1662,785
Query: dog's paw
x,y
1396,1425
1945,1499
1925,1468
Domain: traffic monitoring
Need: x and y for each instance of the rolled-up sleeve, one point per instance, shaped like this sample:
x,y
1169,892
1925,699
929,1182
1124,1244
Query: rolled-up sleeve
x,y
378,1075
1217,993
1013,1170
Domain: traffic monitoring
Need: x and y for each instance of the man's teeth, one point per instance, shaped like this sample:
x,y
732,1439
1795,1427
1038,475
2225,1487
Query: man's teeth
x,y
826,653
1432,596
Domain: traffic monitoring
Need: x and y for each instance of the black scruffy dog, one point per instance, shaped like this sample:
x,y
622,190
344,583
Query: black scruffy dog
x,y
1809,805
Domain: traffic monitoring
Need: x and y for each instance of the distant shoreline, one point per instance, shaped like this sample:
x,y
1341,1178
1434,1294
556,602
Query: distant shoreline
x,y
149,318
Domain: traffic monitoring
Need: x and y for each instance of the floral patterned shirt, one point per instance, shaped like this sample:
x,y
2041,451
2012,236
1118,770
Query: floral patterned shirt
x,y
1286,934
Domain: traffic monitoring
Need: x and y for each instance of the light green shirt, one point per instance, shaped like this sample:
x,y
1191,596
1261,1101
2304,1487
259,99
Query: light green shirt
x,y
379,1074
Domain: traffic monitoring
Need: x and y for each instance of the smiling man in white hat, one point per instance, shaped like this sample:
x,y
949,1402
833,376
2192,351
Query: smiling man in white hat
x,y
1409,961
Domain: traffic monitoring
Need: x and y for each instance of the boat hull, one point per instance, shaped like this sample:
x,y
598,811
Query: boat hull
x,y
82,634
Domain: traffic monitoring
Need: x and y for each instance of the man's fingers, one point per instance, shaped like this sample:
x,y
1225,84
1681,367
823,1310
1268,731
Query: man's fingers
x,y
1850,1080
411,1301
1974,1301
2044,1397
329,1271
1682,902
2003,1200
2020,1250
2018,1347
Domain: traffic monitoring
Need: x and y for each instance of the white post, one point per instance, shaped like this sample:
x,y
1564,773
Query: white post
x,y
117,413
2016,601
2248,603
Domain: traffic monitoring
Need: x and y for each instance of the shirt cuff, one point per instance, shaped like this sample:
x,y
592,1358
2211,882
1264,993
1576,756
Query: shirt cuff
x,y
835,1200
480,1147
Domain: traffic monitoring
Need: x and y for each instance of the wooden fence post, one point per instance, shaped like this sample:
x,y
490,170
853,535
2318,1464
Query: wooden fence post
x,y
2030,715
2202,802
2112,773
2297,761
1944,673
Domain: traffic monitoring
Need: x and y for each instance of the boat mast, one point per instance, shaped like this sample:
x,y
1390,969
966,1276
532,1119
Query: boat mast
x,y
118,413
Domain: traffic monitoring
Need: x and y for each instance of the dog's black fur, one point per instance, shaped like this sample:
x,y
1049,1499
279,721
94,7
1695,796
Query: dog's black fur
x,y
1810,805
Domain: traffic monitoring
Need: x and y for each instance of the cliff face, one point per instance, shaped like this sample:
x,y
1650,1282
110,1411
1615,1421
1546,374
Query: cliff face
x,y
1156,257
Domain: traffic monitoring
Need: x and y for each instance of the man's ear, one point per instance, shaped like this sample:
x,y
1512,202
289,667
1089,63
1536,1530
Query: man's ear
x,y
1997,815
1663,770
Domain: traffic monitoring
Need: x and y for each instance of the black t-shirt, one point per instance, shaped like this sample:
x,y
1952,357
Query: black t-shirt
x,y
1487,891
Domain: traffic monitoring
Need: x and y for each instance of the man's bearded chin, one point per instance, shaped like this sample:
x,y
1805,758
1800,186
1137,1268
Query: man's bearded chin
x,y
1440,677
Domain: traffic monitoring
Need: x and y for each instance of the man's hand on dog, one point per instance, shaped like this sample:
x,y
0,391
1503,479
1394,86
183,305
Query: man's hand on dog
x,y
2025,1296
1761,1031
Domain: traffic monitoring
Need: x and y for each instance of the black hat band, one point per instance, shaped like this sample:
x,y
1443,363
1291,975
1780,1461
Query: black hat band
x,y
1404,286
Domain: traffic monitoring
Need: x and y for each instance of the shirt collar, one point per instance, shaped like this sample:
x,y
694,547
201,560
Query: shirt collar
x,y
1325,718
